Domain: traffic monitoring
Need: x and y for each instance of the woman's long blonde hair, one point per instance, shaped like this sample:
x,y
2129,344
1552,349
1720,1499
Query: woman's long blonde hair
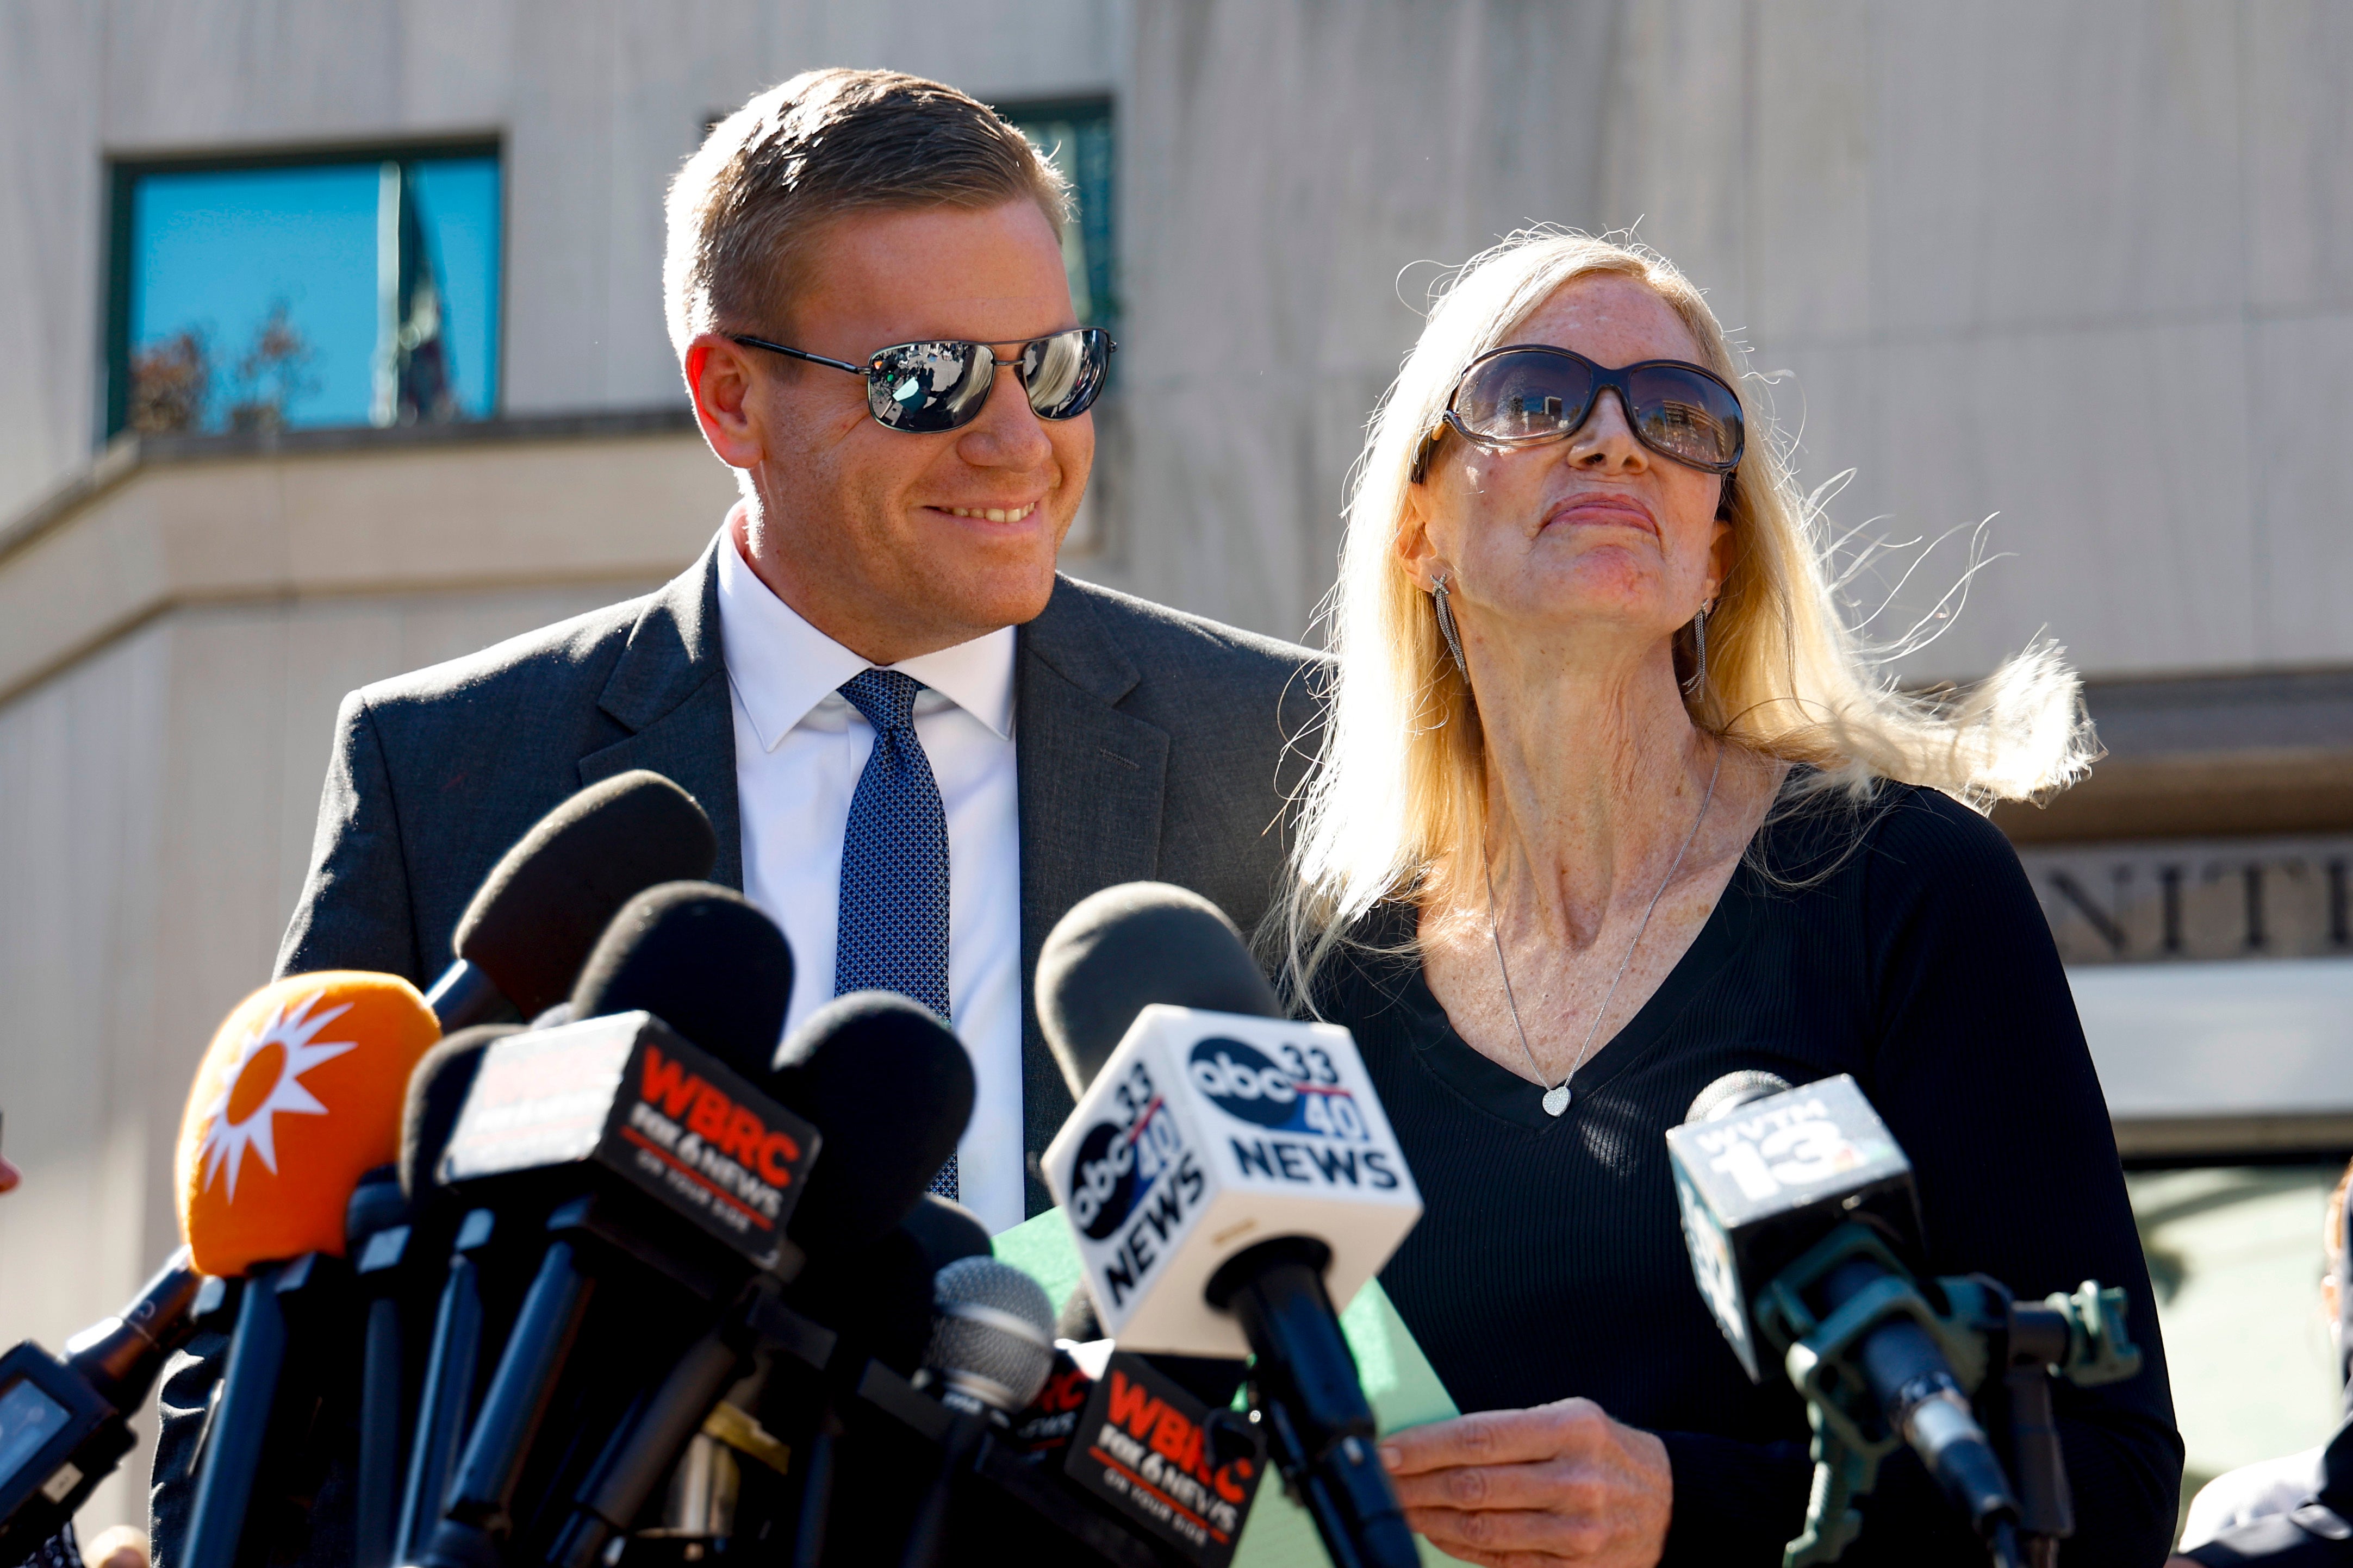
x,y
1400,789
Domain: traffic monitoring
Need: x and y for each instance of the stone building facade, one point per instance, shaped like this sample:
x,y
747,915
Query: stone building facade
x,y
2086,270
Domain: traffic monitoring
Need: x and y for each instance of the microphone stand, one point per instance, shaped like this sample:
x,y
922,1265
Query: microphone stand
x,y
1321,1430
2004,1354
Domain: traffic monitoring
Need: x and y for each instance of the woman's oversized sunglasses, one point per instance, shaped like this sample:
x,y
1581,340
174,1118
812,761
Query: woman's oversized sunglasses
x,y
942,384
1526,394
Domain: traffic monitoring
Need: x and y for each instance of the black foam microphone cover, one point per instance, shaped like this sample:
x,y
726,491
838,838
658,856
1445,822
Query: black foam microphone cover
x,y
547,900
890,1088
1078,1321
1121,950
701,958
947,1232
882,1297
878,1297
438,1087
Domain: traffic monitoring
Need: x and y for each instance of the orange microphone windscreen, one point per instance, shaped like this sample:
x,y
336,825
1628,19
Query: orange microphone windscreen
x,y
298,1094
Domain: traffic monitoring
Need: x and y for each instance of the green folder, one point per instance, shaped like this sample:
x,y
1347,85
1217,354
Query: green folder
x,y
1398,1381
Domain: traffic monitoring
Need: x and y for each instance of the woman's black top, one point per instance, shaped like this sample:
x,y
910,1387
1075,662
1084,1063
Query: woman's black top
x,y
1898,942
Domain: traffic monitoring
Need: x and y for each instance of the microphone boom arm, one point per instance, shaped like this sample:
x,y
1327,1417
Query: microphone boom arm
x,y
1988,1340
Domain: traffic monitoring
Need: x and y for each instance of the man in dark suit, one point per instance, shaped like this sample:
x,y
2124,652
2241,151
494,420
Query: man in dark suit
x,y
832,215
873,680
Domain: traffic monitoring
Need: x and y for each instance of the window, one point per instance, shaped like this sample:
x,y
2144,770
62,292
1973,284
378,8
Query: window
x,y
298,292
1077,137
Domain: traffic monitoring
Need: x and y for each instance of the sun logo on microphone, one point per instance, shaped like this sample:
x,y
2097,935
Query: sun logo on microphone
x,y
265,1083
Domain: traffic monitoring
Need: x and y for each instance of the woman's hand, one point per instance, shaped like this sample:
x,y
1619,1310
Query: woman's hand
x,y
1520,1489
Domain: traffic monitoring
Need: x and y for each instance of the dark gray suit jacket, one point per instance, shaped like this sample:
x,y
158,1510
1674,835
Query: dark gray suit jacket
x,y
1151,744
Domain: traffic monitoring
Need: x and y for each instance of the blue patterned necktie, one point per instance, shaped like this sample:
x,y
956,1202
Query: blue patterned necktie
x,y
895,865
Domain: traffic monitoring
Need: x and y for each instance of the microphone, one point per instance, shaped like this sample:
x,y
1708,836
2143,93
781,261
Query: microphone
x,y
890,1088
62,1421
1225,1173
436,1093
636,1128
1801,1216
1159,1459
992,1346
946,1232
297,1099
701,958
992,1339
893,1087
520,941
1765,1173
715,968
376,1233
1125,947
879,1296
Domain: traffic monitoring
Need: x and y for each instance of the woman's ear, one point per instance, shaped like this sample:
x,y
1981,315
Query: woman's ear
x,y
1720,549
1414,549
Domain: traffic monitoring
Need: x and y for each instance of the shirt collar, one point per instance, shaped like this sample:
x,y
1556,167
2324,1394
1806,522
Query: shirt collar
x,y
782,667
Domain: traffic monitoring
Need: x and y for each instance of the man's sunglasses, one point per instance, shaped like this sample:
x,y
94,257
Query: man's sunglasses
x,y
941,386
1524,394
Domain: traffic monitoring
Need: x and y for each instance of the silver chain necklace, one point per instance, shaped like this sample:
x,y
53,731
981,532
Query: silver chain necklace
x,y
1556,1099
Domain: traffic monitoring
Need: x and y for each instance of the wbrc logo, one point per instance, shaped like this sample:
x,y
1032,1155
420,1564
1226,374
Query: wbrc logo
x,y
696,1130
1154,1442
1301,1093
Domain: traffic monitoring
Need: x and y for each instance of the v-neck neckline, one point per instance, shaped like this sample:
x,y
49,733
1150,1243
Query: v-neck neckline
x,y
1493,1089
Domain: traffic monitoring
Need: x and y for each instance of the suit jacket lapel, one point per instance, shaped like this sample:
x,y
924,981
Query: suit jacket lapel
x,y
670,689
1090,784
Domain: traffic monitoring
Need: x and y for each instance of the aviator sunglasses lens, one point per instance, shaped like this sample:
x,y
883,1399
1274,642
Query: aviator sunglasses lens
x,y
941,386
1063,372
928,386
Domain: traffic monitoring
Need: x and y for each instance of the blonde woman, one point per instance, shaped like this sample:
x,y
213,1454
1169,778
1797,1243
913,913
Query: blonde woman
x,y
1611,805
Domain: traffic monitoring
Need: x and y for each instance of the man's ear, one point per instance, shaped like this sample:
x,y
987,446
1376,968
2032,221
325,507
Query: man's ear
x,y
719,377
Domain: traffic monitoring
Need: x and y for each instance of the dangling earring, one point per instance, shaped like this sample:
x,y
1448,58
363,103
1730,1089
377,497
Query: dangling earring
x,y
1699,642
1446,624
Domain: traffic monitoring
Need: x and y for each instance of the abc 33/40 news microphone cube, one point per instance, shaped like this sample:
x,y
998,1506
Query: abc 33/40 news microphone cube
x,y
1205,1134
1759,1185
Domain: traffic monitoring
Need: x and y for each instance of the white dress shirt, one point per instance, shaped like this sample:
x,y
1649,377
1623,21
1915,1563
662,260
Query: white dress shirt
x,y
799,748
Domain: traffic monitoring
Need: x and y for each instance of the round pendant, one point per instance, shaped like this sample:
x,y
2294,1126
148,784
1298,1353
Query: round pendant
x,y
1556,1099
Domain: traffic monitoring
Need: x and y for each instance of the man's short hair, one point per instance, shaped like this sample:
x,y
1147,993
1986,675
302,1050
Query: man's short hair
x,y
769,178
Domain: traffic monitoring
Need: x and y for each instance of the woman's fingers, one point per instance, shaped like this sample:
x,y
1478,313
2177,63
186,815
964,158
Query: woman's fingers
x,y
1558,1484
1550,1484
1495,1437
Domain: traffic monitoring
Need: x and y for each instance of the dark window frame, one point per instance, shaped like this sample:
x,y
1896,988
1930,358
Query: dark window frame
x,y
123,173
1109,297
